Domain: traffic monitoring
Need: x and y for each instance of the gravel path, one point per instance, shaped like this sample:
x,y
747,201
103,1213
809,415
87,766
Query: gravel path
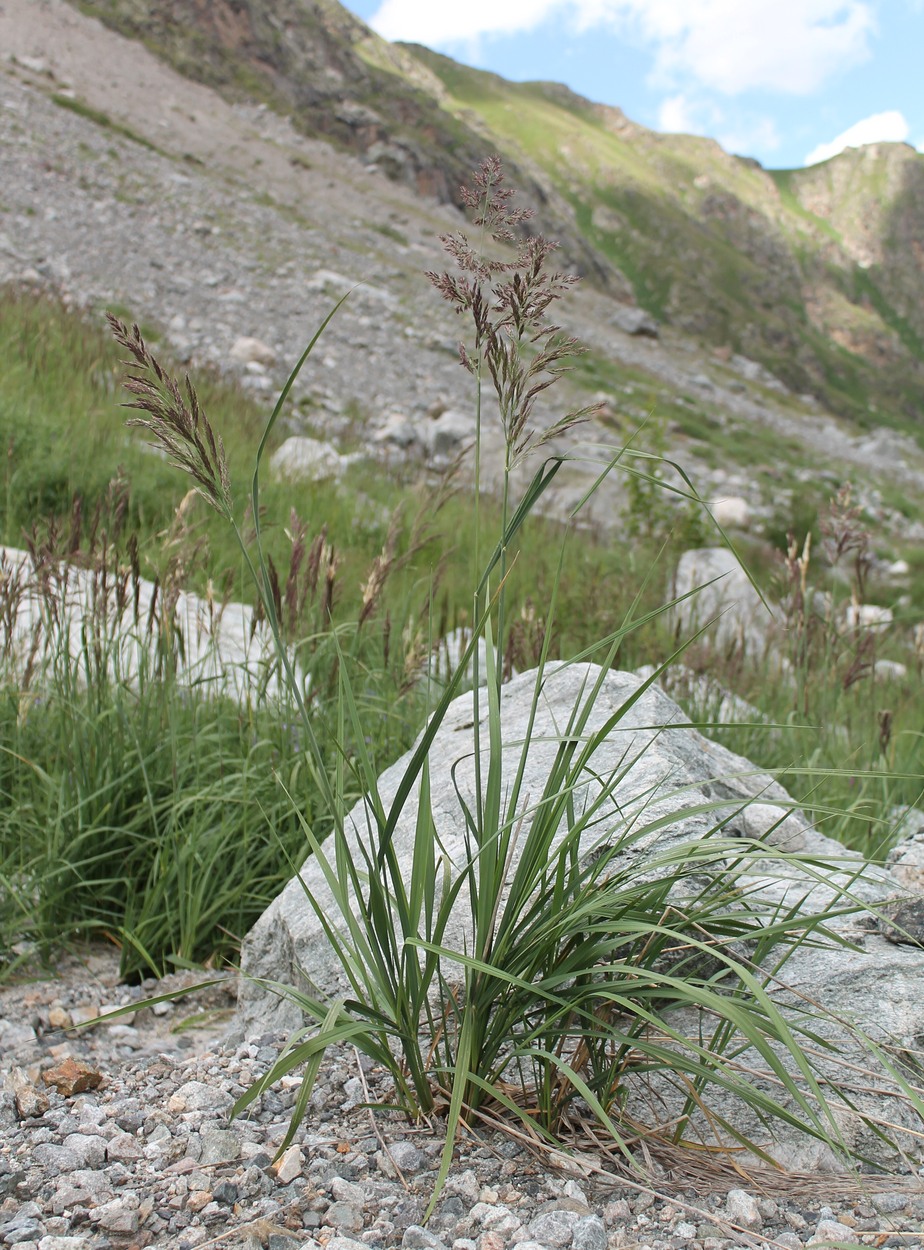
x,y
120,1136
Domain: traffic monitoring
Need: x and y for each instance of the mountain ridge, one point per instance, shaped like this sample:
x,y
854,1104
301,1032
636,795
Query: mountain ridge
x,y
817,273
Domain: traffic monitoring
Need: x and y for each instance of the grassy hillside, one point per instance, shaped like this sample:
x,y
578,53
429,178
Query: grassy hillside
x,y
118,802
726,250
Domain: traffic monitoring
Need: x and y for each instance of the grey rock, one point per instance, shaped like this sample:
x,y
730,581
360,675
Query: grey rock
x,y
282,1241
10,1182
120,1216
70,1196
309,459
831,1231
56,1158
554,1228
246,350
398,430
635,321
198,1096
347,1191
14,1035
774,826
418,1238
465,1184
406,1156
722,598
89,1149
445,436
590,1234
254,1183
890,1202
20,1228
124,1147
741,1208
731,512
226,1192
906,859
902,921
97,1182
789,1240
873,982
219,1146
346,1215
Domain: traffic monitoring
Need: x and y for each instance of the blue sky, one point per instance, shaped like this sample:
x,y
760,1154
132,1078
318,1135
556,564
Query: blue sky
x,y
787,81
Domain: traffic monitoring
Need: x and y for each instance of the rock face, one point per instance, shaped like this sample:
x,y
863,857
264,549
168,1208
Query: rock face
x,y
873,982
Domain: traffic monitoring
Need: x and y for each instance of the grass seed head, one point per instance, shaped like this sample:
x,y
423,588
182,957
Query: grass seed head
x,y
507,300
174,419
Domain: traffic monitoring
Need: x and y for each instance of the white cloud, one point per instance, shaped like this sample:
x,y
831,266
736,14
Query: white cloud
x,y
678,115
758,135
890,127
742,133
723,45
731,47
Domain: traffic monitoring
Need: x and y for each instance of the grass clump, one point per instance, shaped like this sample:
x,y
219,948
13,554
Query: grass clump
x,y
99,118
578,961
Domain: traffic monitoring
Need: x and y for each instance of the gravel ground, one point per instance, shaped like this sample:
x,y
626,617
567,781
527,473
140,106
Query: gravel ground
x,y
120,1135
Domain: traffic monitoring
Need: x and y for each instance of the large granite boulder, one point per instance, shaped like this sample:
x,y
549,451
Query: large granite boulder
x,y
874,981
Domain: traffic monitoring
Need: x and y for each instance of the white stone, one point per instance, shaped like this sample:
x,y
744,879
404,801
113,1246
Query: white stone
x,y
247,350
906,860
732,512
703,696
831,1232
447,654
635,321
448,434
774,826
289,1167
724,599
868,616
221,652
890,670
397,430
309,460
741,1208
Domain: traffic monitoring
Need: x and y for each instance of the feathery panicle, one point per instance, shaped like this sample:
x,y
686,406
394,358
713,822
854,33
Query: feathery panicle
x,y
507,301
174,419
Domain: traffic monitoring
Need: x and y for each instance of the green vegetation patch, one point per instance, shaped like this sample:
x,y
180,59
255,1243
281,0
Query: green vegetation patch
x,y
102,119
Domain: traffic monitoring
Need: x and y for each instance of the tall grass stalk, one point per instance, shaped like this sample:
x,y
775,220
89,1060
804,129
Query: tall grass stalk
x,y
576,966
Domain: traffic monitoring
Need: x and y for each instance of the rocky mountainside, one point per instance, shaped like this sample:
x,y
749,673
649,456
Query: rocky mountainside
x,y
818,274
125,184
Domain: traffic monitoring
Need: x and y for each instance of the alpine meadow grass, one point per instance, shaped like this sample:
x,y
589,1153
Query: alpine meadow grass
x,y
565,990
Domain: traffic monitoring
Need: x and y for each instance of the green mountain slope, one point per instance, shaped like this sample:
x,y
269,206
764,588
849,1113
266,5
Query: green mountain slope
x,y
817,273
810,271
